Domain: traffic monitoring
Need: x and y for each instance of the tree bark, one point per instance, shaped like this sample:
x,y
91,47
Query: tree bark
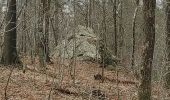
x,y
115,25
149,31
10,55
168,29
104,37
24,38
56,25
133,35
167,76
46,14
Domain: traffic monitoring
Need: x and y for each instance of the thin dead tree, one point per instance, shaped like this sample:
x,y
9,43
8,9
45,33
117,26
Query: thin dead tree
x,y
115,25
46,19
133,35
104,38
75,44
121,29
56,20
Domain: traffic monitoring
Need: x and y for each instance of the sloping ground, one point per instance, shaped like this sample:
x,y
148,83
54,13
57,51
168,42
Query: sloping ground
x,y
36,85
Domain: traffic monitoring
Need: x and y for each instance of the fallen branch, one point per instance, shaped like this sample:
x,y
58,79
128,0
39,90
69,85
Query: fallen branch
x,y
6,87
99,77
68,92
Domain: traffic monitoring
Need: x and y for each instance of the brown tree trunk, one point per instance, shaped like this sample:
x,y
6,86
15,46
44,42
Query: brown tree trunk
x,y
55,26
167,76
114,2
104,37
90,14
10,55
24,44
46,14
134,36
149,31
168,29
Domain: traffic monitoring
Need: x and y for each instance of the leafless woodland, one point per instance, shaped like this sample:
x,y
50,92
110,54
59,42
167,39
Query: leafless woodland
x,y
84,49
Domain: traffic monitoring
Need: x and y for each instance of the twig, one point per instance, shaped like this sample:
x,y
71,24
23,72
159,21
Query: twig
x,y
6,87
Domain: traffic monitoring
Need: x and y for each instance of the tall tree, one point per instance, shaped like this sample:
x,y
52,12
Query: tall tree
x,y
167,76
10,55
149,31
104,37
24,34
56,21
45,39
133,35
89,15
115,25
168,29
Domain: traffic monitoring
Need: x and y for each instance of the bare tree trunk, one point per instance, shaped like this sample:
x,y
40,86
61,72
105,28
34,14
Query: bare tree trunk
x,y
104,38
115,25
10,55
56,20
46,9
149,31
168,29
134,38
44,28
90,14
167,79
24,46
121,30
75,44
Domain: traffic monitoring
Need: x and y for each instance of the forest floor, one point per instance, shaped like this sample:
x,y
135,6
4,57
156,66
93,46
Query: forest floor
x,y
56,83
